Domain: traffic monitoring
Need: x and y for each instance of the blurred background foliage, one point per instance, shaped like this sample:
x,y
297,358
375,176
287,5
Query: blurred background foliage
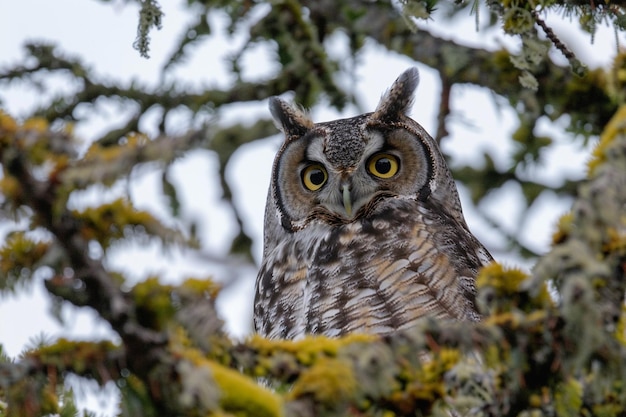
x,y
299,33
172,357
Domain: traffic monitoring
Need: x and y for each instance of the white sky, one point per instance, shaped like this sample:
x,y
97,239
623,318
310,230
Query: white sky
x,y
102,35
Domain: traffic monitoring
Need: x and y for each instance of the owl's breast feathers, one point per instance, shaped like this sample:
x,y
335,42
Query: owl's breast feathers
x,y
405,261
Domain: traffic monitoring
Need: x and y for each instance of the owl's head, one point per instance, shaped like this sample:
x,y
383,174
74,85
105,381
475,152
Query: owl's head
x,y
339,171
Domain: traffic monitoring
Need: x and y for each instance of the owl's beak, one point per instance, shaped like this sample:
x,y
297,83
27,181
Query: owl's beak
x,y
347,199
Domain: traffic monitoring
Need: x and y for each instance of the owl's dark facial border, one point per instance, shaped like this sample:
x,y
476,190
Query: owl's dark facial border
x,y
286,181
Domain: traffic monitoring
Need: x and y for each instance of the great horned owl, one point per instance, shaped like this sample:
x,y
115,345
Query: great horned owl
x,y
363,226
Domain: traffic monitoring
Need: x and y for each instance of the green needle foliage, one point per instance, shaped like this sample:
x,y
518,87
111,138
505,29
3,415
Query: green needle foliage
x,y
538,352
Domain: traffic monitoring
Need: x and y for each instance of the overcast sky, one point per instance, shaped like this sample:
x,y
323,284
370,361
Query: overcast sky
x,y
102,35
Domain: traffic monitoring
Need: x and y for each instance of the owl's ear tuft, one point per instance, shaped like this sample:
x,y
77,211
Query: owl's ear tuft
x,y
399,98
291,120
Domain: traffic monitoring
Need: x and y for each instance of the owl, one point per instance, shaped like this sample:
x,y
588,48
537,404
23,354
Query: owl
x,y
363,226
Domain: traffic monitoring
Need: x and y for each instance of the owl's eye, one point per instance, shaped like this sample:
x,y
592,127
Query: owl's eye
x,y
383,165
314,177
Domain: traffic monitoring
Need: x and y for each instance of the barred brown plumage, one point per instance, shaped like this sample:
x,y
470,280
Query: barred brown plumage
x,y
363,226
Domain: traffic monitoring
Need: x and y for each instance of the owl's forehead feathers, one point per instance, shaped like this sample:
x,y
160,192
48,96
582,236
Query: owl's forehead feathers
x,y
342,143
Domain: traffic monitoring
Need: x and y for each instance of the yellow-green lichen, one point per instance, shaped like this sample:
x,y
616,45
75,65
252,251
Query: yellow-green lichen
x,y
154,303
502,289
494,356
20,256
30,397
329,382
34,138
38,124
112,221
79,356
505,319
563,228
620,329
430,377
568,398
535,400
8,125
307,349
607,410
616,239
200,286
504,281
101,153
615,127
238,394
10,188
424,385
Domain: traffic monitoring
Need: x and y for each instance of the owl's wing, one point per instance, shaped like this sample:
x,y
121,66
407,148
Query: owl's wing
x,y
279,309
433,274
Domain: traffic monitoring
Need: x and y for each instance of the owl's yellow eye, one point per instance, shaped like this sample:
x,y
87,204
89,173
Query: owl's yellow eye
x,y
383,165
314,177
